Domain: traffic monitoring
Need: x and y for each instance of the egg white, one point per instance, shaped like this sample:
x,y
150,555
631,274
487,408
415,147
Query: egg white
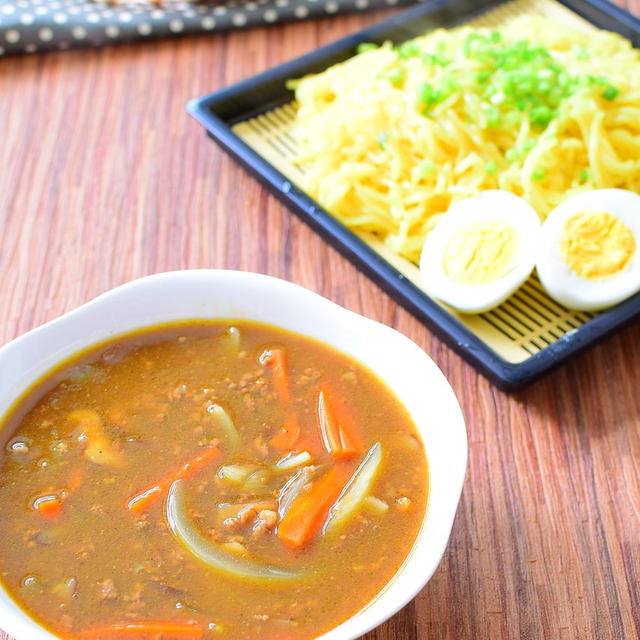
x,y
492,205
566,286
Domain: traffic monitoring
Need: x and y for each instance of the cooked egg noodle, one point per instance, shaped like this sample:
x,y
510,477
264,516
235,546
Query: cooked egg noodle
x,y
393,136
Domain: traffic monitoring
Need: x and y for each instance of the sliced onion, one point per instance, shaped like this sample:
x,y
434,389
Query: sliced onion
x,y
355,490
235,474
231,340
207,551
257,483
292,460
224,421
293,488
375,505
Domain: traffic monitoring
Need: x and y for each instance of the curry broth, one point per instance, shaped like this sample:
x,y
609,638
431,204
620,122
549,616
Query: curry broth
x,y
91,562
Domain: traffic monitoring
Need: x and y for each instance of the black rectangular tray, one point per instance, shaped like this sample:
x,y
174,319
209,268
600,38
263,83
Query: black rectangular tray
x,y
219,111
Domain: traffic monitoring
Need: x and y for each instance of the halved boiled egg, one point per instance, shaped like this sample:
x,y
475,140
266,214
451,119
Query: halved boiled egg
x,y
589,257
480,251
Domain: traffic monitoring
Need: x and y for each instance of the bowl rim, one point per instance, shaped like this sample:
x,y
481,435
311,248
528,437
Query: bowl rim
x,y
62,337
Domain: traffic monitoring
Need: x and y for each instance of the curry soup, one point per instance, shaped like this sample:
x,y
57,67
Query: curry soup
x,y
206,480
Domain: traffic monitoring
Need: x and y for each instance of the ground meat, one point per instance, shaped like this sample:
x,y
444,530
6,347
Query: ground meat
x,y
134,599
244,517
107,590
265,523
85,551
66,621
259,515
261,446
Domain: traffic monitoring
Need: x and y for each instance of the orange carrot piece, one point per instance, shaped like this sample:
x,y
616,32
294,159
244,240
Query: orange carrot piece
x,y
276,359
144,499
339,432
76,479
154,629
49,507
309,511
99,448
287,435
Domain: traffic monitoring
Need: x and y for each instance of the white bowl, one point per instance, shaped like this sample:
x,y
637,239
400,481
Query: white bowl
x,y
406,369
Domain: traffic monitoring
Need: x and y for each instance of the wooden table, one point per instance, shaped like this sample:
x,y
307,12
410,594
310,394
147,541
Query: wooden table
x,y
104,179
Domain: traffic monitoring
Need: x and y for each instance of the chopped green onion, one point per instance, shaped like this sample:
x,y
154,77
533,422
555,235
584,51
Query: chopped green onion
x,y
448,85
529,144
541,115
610,93
584,174
396,76
408,50
553,97
492,168
580,52
435,59
525,87
519,77
426,93
475,45
538,173
543,88
517,80
382,139
493,117
511,118
429,95
363,47
512,155
563,80
427,167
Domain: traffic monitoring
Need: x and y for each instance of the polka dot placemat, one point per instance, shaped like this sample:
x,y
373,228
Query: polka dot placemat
x,y
27,26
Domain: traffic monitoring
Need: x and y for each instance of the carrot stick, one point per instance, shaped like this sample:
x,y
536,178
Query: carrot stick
x,y
289,433
309,511
49,507
76,479
142,500
154,629
339,432
276,359
286,437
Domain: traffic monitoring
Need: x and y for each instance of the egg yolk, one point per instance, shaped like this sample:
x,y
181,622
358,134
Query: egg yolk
x,y
596,245
481,253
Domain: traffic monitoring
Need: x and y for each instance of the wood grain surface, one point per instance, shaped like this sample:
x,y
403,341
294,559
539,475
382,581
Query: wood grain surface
x,y
104,178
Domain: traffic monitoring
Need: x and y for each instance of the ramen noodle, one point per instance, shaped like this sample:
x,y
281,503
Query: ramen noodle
x,y
393,136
